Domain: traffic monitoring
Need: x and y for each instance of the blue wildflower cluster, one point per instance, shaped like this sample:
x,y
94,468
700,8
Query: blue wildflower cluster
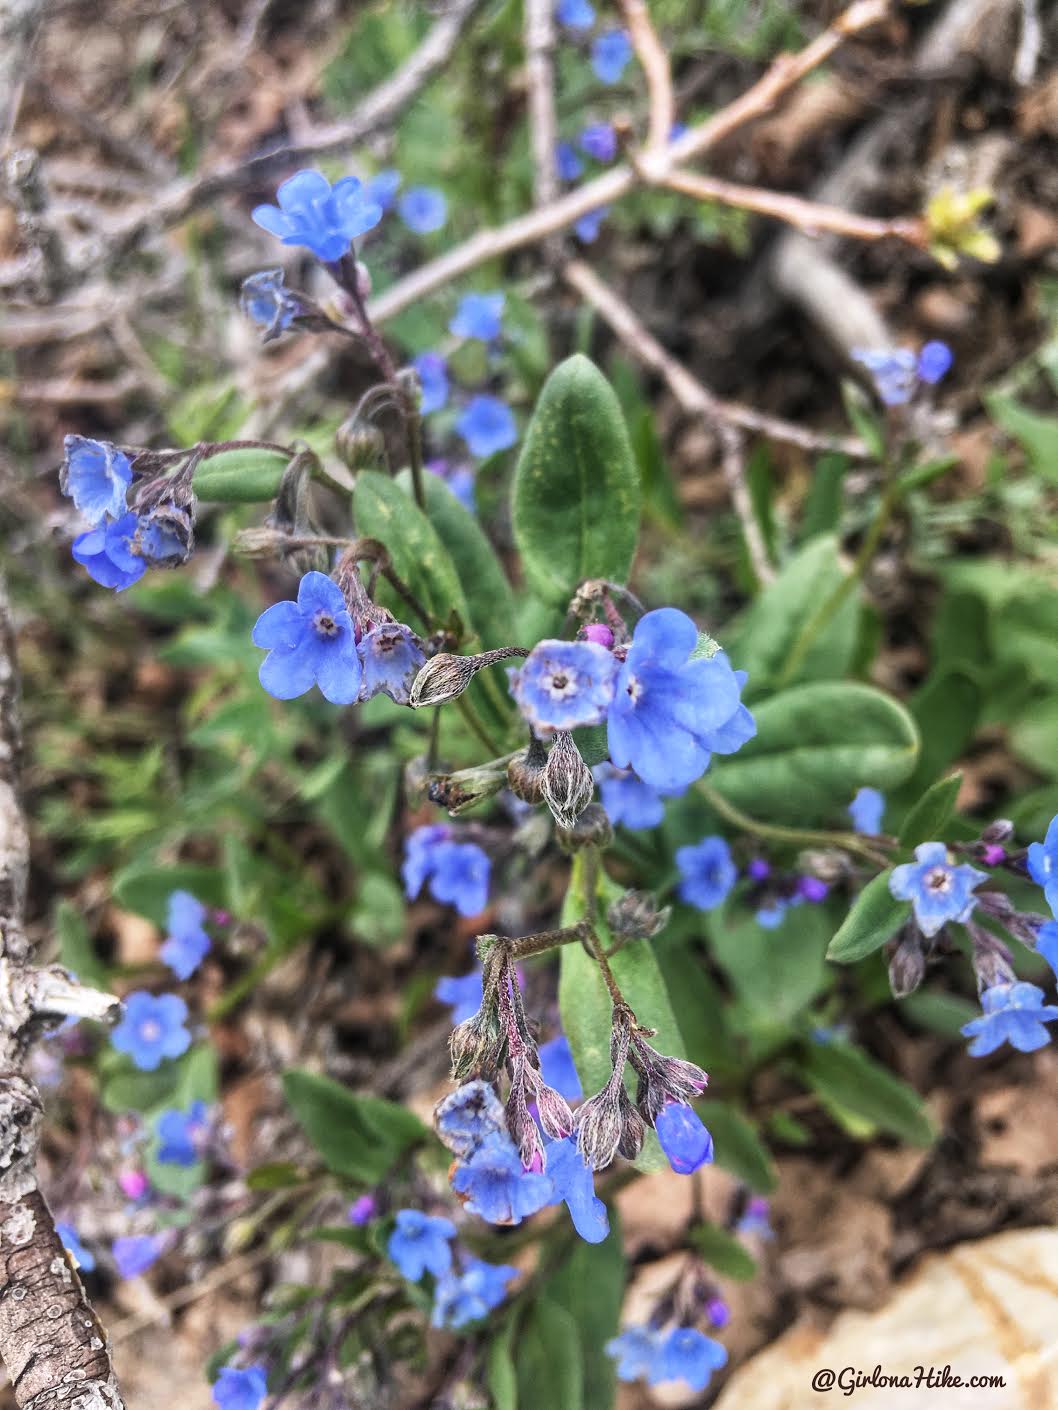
x,y
898,373
186,944
122,542
422,1243
457,872
667,706
182,1134
238,1388
680,1354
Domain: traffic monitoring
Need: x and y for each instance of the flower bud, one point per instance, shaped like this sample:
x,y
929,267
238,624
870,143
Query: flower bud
x,y
525,772
442,678
991,959
520,1122
830,866
567,784
462,790
635,916
593,829
907,962
359,445
599,1127
633,1128
476,1045
1002,830
662,1079
259,542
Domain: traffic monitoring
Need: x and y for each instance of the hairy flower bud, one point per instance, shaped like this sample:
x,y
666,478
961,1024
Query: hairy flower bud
x,y
359,445
599,1127
633,1128
520,1121
261,542
525,772
445,675
636,916
1002,830
567,784
462,790
593,829
662,1079
992,960
907,961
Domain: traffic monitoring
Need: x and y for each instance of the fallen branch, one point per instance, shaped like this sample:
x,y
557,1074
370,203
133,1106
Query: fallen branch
x,y
51,1341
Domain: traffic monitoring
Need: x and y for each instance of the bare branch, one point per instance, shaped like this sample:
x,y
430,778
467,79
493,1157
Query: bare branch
x,y
654,58
539,48
51,1341
19,22
654,166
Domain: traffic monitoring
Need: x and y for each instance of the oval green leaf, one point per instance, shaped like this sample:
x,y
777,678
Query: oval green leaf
x,y
576,490
874,917
932,813
815,746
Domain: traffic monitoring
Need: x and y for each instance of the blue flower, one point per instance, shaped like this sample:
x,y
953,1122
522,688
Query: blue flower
x,y
391,657
1014,1014
558,1068
689,1355
1043,864
755,1220
1047,943
325,219
236,1389
459,479
423,209
629,802
362,1210
266,301
575,14
573,1183
135,1253
96,475
72,1244
637,1352
487,425
894,372
382,188
152,1029
811,889
468,1116
670,709
587,228
496,1186
568,165
684,1139
464,995
433,379
867,810
107,553
458,872
420,1244
564,684
599,140
479,316
179,1133
611,54
770,917
707,873
187,943
939,891
472,1295
309,642
934,362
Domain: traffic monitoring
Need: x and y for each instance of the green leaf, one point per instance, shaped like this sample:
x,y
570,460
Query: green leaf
x,y
822,511
549,1361
874,917
240,476
500,1374
357,1135
130,1090
946,710
489,598
737,1147
930,815
589,1285
723,1252
576,490
76,950
276,1175
847,1079
938,1012
1037,435
146,889
586,1007
384,511
776,972
864,418
767,630
815,746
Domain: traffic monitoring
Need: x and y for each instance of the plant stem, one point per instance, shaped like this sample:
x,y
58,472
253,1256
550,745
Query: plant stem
x,y
475,724
795,836
590,879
